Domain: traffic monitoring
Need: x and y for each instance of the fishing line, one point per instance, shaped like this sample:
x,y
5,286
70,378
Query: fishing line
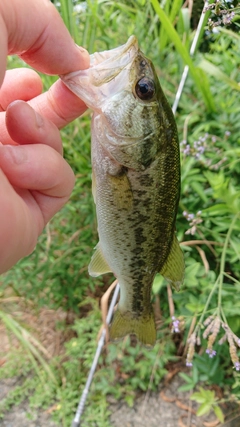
x,y
77,419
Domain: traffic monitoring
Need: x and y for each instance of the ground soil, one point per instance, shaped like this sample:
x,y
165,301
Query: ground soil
x,y
168,408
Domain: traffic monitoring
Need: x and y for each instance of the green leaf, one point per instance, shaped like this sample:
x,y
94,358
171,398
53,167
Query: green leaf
x,y
215,71
203,409
218,209
186,387
183,22
199,189
195,308
198,397
186,377
218,413
158,284
176,6
191,272
232,34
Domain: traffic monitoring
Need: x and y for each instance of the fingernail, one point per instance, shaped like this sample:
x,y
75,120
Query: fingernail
x,y
39,119
85,62
14,154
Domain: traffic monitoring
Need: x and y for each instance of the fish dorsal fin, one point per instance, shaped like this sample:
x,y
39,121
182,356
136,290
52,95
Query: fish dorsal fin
x,y
173,269
98,265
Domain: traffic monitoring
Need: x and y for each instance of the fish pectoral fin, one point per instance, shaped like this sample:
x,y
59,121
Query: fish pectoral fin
x,y
125,323
98,265
173,269
121,190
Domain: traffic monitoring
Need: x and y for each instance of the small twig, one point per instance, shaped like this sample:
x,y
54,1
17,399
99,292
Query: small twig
x,y
185,126
49,237
104,308
204,258
207,243
170,301
200,242
191,329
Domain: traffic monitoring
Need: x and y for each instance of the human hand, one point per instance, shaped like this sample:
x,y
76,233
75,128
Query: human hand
x,y
35,181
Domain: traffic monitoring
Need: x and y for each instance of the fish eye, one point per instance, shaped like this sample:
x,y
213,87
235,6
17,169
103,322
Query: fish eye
x,y
145,89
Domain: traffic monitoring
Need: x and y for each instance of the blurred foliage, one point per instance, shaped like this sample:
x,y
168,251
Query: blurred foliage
x,y
55,275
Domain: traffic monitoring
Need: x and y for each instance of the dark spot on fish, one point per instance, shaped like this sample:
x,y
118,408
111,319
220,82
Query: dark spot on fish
x,y
146,180
140,193
143,63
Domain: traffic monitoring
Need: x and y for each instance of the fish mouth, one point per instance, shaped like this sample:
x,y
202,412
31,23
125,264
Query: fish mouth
x,y
109,71
117,57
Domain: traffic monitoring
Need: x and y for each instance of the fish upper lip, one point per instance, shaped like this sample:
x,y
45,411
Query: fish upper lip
x,y
115,54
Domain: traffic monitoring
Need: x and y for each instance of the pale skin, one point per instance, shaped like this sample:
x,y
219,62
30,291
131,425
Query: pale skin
x,y
35,180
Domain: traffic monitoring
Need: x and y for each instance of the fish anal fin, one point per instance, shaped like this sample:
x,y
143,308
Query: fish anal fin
x,y
125,323
98,265
173,269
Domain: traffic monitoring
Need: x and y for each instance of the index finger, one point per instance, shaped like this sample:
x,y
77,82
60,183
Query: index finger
x,y
34,30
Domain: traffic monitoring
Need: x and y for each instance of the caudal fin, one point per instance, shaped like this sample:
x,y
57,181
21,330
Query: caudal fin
x,y
125,323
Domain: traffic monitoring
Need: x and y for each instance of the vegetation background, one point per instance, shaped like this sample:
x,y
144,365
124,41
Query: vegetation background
x,y
55,276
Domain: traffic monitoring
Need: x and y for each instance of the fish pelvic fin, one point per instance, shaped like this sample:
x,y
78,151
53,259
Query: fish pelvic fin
x,y
125,323
98,265
173,269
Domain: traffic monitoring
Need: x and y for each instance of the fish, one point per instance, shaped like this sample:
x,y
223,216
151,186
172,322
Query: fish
x,y
135,181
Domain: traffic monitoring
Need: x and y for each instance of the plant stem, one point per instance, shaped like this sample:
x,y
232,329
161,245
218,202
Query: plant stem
x,y
223,261
207,304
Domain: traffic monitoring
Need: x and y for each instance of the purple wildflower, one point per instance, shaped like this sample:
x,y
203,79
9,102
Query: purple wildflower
x,y
187,150
211,352
175,325
190,217
227,19
237,366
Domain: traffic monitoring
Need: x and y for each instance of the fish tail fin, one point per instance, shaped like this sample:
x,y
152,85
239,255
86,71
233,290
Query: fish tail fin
x,y
126,323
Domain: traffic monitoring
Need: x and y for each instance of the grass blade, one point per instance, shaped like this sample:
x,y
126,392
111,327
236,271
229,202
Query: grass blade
x,y
23,337
214,71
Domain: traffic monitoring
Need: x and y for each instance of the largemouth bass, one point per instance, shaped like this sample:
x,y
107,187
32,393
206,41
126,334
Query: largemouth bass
x,y
136,181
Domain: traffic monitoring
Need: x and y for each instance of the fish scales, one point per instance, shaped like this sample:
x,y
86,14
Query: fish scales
x,y
136,181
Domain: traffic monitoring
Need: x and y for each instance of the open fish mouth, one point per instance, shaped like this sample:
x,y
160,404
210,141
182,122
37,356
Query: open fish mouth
x,y
108,72
118,57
